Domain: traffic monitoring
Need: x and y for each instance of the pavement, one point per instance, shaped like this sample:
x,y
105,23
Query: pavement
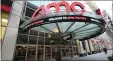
x,y
94,57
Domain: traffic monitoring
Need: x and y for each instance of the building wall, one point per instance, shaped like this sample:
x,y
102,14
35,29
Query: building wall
x,y
26,46
11,31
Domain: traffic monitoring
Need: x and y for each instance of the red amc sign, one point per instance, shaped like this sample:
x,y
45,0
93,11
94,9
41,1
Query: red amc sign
x,y
44,10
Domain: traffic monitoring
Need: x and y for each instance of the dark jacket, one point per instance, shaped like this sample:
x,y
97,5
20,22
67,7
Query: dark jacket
x,y
58,56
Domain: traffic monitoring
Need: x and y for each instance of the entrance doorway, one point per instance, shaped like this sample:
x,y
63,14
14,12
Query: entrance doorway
x,y
42,52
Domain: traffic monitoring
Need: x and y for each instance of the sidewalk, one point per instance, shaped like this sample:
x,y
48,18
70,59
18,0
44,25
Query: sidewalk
x,y
94,57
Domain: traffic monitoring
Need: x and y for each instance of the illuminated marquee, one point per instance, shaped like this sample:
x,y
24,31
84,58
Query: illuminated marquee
x,y
45,17
68,18
58,19
46,9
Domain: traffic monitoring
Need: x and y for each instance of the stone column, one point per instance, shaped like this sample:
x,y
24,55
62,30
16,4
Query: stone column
x,y
82,53
9,41
91,46
87,47
78,47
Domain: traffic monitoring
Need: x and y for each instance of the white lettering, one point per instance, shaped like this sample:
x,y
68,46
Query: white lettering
x,y
56,18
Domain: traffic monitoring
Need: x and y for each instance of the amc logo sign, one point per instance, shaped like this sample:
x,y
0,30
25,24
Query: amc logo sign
x,y
44,10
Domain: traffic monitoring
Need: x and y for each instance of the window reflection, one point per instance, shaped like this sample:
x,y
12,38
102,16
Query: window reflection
x,y
33,40
75,50
20,53
41,34
41,41
47,41
22,39
21,31
34,32
32,5
40,53
48,52
29,11
63,51
54,48
31,53
67,51
47,35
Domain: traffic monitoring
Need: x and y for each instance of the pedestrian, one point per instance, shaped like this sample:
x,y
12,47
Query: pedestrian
x,y
58,55
105,50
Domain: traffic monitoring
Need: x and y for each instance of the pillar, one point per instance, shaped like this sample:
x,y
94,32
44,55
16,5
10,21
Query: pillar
x,y
87,47
10,37
78,47
91,46
82,51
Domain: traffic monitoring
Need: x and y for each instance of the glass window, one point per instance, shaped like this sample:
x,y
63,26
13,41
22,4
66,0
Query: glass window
x,y
67,49
47,35
47,53
22,39
20,53
31,53
35,2
63,51
33,40
75,43
56,42
62,42
22,32
41,41
42,29
29,12
30,5
40,53
54,48
41,34
47,41
34,32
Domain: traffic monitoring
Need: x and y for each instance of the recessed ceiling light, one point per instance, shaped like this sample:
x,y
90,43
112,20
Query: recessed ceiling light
x,y
56,30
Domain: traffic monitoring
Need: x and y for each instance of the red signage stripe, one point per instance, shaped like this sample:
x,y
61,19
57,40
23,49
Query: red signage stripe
x,y
5,8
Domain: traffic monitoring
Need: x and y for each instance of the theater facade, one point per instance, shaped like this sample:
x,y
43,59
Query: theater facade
x,y
35,32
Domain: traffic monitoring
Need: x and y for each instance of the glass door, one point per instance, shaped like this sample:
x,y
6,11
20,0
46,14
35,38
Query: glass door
x,y
31,53
48,53
63,51
67,51
20,53
74,50
40,53
54,48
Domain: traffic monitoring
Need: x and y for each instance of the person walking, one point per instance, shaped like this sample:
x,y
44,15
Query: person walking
x,y
105,50
58,55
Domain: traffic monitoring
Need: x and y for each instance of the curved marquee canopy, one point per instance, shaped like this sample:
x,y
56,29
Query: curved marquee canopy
x,y
83,25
